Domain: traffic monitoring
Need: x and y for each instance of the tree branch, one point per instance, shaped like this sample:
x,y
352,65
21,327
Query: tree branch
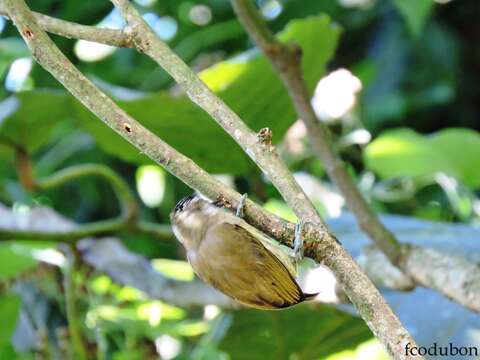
x,y
93,229
363,294
97,228
74,322
48,55
125,196
453,276
265,156
110,256
127,221
24,169
456,274
177,164
287,61
73,30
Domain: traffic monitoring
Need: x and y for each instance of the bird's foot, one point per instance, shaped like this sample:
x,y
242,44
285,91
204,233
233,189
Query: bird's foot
x,y
298,241
240,206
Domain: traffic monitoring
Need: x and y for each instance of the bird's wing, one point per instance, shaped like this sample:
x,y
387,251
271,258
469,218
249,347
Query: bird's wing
x,y
237,263
281,252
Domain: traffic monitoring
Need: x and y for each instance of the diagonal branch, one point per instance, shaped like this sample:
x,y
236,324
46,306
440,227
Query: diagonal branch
x,y
363,294
264,154
127,221
286,59
48,55
177,164
125,196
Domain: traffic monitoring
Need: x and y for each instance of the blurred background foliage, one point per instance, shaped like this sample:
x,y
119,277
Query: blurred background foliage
x,y
405,116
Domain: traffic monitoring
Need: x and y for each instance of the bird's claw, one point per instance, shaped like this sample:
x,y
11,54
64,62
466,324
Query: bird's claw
x,y
298,241
241,204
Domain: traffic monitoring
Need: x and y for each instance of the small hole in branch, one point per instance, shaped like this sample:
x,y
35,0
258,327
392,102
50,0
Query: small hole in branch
x,y
265,136
127,127
28,33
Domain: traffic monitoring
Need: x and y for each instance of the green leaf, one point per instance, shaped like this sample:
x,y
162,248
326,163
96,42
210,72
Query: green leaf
x,y
250,86
175,269
281,209
415,12
178,122
9,311
403,152
17,257
29,118
297,333
246,83
6,159
7,352
371,347
318,37
462,148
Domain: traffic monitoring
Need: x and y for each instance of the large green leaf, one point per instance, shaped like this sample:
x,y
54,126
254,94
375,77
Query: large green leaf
x,y
178,122
6,159
247,83
297,333
29,118
17,257
415,12
253,89
9,311
462,148
403,152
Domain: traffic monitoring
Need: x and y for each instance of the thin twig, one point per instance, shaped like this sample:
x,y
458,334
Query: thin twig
x,y
23,163
73,30
125,196
24,169
93,229
126,222
74,326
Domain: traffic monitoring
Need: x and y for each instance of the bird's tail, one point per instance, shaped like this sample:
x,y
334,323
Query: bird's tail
x,y
308,296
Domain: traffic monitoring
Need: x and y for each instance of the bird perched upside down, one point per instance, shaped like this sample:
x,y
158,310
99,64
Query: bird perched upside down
x,y
235,257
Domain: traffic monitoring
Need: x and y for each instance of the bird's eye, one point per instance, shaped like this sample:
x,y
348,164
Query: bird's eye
x,y
182,204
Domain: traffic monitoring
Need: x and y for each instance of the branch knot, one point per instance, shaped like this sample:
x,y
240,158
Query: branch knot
x,y
265,136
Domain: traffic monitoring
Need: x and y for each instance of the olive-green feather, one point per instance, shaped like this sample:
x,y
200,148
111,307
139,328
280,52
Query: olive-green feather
x,y
266,284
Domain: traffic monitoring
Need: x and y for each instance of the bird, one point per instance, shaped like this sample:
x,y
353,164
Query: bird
x,y
234,257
